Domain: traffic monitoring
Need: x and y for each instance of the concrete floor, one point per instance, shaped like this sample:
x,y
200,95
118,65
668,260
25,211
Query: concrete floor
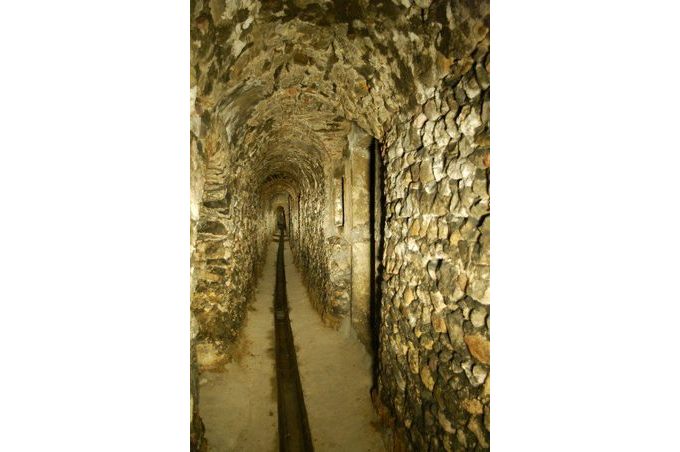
x,y
238,406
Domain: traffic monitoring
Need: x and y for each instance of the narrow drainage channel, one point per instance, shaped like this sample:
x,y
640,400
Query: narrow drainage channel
x,y
294,434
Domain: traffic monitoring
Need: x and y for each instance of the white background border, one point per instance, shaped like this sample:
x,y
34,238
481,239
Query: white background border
x,y
94,180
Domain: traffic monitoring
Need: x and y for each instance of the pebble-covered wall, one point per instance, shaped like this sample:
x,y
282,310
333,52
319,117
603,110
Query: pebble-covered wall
x,y
227,253
434,340
313,250
276,88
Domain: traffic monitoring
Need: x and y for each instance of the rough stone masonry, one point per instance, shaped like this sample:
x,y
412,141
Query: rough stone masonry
x,y
286,97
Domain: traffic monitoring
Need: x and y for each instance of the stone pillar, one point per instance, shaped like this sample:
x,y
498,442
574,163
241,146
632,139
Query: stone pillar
x,y
359,232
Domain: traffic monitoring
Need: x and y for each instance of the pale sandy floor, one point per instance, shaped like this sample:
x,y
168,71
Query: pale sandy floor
x,y
238,406
336,377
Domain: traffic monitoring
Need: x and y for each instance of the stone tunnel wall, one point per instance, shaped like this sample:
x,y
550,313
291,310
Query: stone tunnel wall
x,y
434,357
229,235
229,252
323,258
229,245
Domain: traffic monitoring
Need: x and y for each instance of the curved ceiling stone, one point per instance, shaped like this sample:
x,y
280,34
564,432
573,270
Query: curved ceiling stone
x,y
289,77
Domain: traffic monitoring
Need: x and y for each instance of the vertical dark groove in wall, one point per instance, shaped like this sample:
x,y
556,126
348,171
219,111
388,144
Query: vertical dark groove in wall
x,y
294,433
376,224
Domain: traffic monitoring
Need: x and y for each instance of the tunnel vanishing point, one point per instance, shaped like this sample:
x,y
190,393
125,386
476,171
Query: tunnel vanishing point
x,y
364,125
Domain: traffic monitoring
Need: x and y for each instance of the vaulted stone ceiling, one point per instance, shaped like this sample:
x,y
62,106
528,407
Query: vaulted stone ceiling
x,y
283,80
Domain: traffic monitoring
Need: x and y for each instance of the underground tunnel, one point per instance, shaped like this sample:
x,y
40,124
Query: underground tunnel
x,y
340,225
